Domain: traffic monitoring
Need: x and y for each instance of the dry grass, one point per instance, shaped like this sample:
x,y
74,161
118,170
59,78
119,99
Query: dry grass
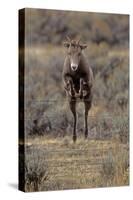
x,y
61,164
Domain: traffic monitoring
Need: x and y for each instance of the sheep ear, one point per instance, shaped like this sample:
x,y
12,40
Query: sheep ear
x,y
83,46
66,44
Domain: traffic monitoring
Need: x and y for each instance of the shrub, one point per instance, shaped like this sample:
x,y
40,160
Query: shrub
x,y
36,171
114,171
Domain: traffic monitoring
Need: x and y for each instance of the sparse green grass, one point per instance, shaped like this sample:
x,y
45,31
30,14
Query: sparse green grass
x,y
58,163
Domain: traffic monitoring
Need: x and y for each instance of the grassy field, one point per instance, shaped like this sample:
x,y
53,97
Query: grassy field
x,y
52,161
58,163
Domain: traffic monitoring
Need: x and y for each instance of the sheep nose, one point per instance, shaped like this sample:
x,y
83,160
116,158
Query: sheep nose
x,y
74,67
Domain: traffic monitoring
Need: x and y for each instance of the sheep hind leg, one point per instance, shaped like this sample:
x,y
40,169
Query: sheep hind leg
x,y
72,104
81,89
87,104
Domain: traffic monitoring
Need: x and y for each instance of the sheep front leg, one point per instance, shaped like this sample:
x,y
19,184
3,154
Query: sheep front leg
x,y
72,91
69,87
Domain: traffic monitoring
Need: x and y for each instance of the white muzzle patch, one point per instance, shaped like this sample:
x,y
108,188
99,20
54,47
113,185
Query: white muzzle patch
x,y
74,67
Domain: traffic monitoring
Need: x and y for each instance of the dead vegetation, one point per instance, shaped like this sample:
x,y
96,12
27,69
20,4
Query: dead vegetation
x,y
56,164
